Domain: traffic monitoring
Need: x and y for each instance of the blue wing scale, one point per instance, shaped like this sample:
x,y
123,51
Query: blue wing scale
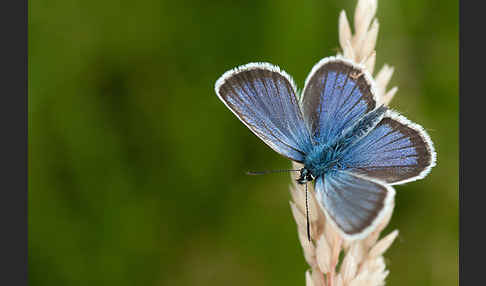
x,y
354,203
336,95
395,151
263,98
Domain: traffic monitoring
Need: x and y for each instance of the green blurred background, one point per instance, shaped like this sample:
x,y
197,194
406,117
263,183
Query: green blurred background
x,y
136,169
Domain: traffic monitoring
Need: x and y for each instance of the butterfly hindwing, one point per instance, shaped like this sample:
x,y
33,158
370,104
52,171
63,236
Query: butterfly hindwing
x,y
336,95
354,203
396,151
264,98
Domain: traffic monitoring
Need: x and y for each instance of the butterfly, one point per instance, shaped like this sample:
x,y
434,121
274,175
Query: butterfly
x,y
352,148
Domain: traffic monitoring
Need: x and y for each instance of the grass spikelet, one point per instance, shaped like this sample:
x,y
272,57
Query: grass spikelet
x,y
362,260
361,46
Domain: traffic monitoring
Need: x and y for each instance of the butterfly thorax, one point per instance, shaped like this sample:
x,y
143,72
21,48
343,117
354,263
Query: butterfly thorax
x,y
323,159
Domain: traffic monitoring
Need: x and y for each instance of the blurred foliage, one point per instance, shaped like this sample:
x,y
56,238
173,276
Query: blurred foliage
x,y
136,169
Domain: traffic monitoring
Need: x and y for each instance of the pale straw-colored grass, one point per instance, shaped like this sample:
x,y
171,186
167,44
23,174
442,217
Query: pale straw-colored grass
x,y
362,262
360,46
334,261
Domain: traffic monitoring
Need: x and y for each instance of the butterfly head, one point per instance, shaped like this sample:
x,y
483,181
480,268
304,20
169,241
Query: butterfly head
x,y
305,176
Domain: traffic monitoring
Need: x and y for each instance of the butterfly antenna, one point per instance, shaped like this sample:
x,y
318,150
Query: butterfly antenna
x,y
269,171
307,212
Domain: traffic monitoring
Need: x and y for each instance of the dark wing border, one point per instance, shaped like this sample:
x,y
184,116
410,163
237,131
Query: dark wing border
x,y
358,67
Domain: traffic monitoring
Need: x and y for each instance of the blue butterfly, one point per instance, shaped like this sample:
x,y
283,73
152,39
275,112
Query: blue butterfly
x,y
353,149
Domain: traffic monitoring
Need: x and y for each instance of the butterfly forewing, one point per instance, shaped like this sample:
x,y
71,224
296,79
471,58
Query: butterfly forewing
x,y
395,151
263,98
354,203
336,95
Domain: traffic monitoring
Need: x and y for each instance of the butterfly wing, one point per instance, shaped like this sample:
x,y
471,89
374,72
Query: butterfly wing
x,y
354,203
264,98
396,151
336,95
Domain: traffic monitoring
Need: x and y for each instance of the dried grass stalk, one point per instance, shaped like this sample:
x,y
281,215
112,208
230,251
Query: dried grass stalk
x,y
360,46
362,261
